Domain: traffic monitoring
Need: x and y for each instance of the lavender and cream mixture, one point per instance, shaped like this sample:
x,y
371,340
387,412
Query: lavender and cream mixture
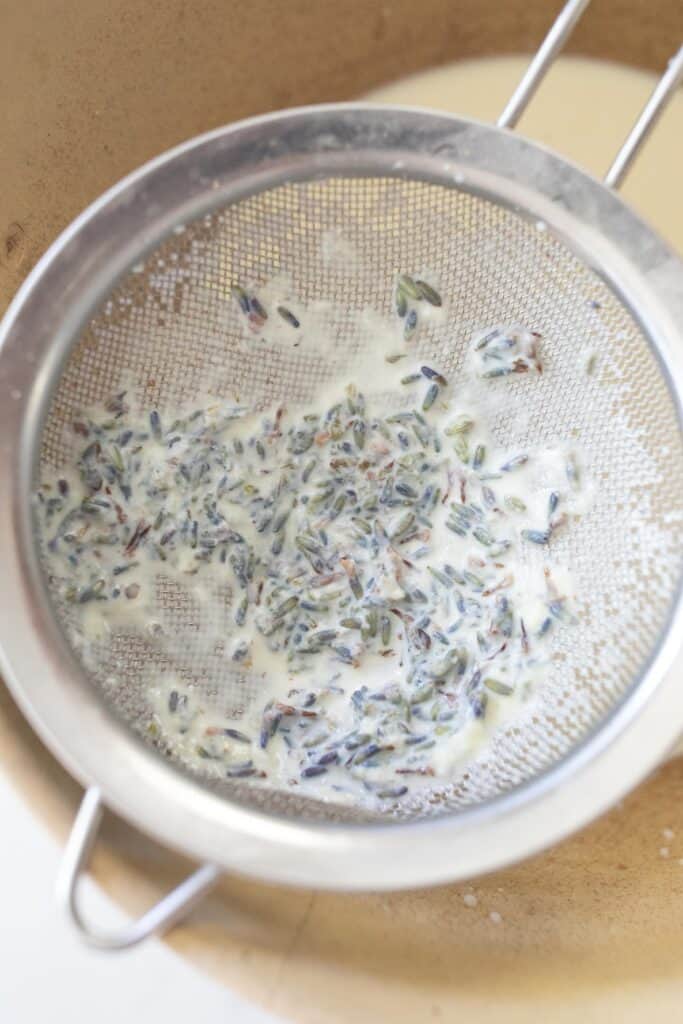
x,y
393,591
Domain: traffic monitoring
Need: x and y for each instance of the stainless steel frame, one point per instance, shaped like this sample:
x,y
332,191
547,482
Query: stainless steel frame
x,y
46,317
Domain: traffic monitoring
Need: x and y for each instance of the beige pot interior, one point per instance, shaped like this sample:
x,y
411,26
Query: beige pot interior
x,y
590,928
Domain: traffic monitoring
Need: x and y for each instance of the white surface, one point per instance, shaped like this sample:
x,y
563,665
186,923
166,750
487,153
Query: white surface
x,y
47,975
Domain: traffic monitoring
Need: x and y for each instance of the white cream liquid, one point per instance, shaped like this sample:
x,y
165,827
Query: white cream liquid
x,y
224,737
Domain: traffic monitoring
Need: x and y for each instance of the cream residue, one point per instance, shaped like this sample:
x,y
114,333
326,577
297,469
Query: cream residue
x,y
318,691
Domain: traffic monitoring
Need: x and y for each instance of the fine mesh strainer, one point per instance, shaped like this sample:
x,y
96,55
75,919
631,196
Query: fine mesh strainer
x,y
139,287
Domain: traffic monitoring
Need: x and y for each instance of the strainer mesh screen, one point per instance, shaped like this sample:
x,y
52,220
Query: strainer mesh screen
x,y
171,333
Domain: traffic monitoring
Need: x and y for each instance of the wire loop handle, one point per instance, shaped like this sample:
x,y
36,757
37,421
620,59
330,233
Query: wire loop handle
x,y
543,60
654,108
159,918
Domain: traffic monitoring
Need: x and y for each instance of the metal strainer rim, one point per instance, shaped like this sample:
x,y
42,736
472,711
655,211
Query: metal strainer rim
x,y
65,710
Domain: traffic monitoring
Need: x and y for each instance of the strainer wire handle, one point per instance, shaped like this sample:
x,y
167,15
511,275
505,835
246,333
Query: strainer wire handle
x,y
159,918
542,61
662,93
557,36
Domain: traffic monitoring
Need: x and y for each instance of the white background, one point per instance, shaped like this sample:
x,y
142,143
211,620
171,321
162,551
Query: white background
x,y
48,977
